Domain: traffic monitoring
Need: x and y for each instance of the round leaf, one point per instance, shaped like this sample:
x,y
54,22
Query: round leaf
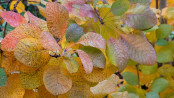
x,y
162,42
163,31
55,82
148,69
119,7
152,95
130,78
29,52
159,85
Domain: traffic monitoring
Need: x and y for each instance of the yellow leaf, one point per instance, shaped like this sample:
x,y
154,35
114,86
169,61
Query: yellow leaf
x,y
41,10
29,52
31,94
13,88
119,95
20,7
33,1
43,93
31,80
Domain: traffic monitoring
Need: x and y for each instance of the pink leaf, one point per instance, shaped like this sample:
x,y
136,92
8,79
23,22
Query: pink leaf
x,y
93,39
86,61
117,52
69,4
87,11
140,49
48,42
14,19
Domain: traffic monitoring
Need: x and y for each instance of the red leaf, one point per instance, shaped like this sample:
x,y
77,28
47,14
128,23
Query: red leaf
x,y
14,19
86,61
69,4
140,49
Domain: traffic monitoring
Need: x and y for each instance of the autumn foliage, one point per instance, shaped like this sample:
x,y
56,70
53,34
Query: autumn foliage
x,y
86,49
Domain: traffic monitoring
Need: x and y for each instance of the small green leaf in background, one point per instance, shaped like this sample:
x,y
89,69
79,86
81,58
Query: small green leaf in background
x,y
133,95
127,87
119,7
166,70
96,56
159,85
74,32
152,29
95,3
130,78
162,42
163,31
152,95
3,77
148,69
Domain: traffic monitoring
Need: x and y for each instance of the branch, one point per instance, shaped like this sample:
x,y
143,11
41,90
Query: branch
x,y
15,5
98,15
137,66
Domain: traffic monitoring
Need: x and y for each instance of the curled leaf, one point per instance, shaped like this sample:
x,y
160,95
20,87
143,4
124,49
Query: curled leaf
x,y
140,49
86,61
93,39
55,82
117,52
57,19
29,52
14,19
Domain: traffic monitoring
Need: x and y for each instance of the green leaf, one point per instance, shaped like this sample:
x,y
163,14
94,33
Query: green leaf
x,y
133,95
152,95
74,32
163,31
162,42
130,78
159,85
152,29
96,56
3,77
95,3
119,7
166,71
127,87
148,69
71,64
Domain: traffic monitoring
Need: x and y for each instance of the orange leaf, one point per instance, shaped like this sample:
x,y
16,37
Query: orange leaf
x,y
26,30
55,82
140,49
14,19
93,39
48,42
57,19
37,21
86,61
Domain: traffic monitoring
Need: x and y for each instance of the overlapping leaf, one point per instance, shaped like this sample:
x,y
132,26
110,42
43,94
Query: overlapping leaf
x,y
57,19
140,49
86,61
119,95
14,19
48,42
31,53
26,30
96,55
117,52
93,39
143,2
42,24
55,82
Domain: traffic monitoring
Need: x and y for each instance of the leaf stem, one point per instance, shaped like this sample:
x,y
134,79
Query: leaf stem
x,y
137,67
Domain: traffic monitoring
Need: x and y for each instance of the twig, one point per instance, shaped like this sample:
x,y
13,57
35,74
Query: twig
x,y
157,4
3,2
98,15
137,66
4,29
15,5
